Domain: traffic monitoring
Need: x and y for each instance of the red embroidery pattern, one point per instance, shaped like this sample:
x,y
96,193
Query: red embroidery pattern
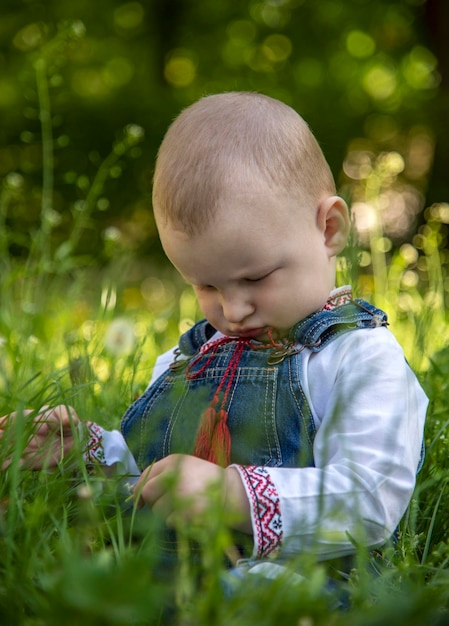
x,y
340,296
266,505
94,447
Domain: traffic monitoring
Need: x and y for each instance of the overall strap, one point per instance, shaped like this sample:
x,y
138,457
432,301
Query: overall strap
x,y
318,329
192,340
315,331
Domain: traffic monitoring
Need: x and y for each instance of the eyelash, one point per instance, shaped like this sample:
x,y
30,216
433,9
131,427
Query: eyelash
x,y
204,287
256,280
248,280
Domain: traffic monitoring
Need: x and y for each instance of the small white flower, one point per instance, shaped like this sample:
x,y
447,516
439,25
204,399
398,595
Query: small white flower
x,y
85,492
80,205
14,180
120,337
112,233
52,217
78,29
134,132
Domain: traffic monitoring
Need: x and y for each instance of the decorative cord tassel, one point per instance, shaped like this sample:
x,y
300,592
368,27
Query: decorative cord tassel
x,y
220,448
213,440
205,433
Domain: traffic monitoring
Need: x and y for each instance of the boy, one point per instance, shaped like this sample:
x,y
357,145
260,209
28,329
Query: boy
x,y
292,397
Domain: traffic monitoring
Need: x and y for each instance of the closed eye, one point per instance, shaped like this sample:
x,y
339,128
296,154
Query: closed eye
x,y
260,278
204,287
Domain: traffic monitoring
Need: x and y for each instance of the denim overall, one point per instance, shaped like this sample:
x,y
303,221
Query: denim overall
x,y
269,418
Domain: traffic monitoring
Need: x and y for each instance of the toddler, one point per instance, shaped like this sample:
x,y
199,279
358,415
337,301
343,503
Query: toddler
x,y
291,396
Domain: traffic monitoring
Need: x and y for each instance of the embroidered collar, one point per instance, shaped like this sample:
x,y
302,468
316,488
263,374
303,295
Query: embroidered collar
x,y
203,333
338,297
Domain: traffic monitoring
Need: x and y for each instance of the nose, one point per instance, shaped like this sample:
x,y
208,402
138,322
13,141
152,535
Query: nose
x,y
236,306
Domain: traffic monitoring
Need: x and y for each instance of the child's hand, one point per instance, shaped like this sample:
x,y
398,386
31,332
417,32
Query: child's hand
x,y
51,436
191,481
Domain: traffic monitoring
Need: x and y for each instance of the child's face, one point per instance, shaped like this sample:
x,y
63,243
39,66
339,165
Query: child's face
x,y
263,263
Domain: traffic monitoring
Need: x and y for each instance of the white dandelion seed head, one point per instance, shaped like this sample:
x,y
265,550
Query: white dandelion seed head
x,y
120,337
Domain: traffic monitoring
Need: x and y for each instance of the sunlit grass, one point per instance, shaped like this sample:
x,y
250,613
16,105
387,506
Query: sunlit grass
x,y
72,551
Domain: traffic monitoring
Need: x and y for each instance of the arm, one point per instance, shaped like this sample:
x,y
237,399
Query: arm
x,y
48,436
369,411
189,486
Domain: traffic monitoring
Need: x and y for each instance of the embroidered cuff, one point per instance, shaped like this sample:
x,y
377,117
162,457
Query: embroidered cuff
x,y
265,510
108,447
94,450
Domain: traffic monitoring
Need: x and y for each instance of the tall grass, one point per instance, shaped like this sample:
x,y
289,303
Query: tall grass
x,y
72,551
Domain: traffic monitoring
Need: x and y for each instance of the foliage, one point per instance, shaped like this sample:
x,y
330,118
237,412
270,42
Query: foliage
x,y
71,549
86,334
363,74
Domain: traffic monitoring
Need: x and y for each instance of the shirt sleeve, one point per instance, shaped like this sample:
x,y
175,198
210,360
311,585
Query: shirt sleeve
x,y
109,448
369,410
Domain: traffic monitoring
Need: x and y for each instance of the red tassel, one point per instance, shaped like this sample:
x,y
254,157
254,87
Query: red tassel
x,y
213,442
220,445
205,432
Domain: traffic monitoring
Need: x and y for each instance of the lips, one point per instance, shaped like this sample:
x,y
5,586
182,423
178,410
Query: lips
x,y
249,333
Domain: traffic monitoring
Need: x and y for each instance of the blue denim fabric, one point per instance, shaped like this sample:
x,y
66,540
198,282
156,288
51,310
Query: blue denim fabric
x,y
269,418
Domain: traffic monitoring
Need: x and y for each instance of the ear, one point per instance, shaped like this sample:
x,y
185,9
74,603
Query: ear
x,y
333,221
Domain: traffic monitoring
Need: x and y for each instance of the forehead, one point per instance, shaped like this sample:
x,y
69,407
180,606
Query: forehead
x,y
251,232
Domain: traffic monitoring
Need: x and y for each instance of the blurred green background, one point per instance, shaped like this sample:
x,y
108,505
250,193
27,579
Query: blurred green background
x,y
87,90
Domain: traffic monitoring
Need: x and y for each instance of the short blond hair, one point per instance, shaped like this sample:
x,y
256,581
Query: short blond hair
x,y
232,135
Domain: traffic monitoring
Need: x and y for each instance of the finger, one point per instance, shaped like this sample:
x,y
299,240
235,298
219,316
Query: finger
x,y
149,488
6,420
37,457
50,415
169,463
164,466
165,470
163,507
67,416
61,417
140,485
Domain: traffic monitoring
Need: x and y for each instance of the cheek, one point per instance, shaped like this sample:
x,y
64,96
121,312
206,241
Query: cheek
x,y
206,303
276,292
281,300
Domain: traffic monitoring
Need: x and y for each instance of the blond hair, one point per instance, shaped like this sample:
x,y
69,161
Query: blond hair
x,y
234,136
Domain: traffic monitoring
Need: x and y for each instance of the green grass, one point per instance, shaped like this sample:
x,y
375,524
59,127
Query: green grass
x,y
69,553
72,333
